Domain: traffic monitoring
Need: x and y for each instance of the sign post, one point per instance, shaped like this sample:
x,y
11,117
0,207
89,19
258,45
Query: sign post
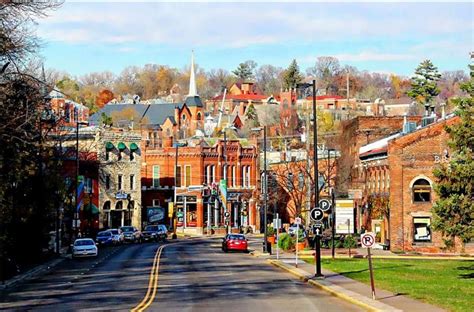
x,y
368,240
317,215
277,224
297,222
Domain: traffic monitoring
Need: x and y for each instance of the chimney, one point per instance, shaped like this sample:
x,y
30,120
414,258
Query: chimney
x,y
168,142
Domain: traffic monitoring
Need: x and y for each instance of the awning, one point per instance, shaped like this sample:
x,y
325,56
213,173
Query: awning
x,y
109,145
121,146
90,208
133,147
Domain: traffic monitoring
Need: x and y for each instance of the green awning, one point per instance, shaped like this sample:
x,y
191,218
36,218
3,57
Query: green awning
x,y
121,146
90,208
133,147
109,145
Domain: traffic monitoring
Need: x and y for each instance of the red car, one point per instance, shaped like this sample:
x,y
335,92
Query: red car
x,y
234,242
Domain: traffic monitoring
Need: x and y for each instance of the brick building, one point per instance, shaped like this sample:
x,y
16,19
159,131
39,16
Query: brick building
x,y
67,111
199,167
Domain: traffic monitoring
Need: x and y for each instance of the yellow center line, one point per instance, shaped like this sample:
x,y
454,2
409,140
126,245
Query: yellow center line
x,y
152,283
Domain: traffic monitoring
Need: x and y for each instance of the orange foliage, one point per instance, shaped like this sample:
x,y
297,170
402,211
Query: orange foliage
x,y
104,97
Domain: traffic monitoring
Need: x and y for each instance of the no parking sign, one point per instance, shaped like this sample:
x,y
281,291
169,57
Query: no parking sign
x,y
367,240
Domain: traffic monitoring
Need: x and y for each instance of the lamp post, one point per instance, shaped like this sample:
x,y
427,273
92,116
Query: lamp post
x,y
316,174
76,213
177,145
225,174
265,186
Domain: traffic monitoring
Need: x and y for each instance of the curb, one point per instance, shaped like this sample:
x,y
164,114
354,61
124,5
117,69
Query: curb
x,y
334,290
34,272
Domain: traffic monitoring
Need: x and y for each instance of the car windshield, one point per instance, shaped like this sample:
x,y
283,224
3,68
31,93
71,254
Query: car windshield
x,y
114,232
151,228
85,242
104,234
127,229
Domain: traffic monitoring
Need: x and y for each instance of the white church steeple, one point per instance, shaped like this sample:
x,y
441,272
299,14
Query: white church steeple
x,y
192,79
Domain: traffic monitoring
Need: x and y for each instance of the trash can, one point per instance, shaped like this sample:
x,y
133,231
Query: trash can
x,y
269,247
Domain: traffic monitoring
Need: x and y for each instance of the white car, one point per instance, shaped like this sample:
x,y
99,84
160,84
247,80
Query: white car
x,y
117,236
84,247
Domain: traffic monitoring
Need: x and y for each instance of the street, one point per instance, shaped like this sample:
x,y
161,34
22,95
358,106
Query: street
x,y
194,275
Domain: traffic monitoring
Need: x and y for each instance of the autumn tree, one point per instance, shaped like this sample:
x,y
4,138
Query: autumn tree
x,y
269,79
292,75
453,211
325,69
424,84
104,97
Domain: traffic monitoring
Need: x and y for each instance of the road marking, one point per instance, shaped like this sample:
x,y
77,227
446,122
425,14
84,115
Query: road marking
x,y
152,283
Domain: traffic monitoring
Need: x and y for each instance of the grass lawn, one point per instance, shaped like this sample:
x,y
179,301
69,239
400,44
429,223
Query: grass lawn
x,y
445,283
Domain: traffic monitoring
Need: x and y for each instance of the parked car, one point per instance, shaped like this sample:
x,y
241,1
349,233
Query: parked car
x,y
294,227
162,232
131,234
117,236
155,232
104,238
84,247
234,242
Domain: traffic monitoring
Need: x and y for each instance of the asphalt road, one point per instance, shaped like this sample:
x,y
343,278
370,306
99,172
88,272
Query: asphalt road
x,y
193,275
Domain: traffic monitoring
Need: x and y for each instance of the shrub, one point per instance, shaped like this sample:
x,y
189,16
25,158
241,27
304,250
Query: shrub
x,y
350,242
285,242
337,243
270,230
301,237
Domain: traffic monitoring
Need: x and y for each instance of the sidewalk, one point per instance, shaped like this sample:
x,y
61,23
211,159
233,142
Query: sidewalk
x,y
35,271
345,288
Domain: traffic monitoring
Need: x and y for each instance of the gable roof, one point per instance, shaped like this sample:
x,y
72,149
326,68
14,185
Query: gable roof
x,y
155,113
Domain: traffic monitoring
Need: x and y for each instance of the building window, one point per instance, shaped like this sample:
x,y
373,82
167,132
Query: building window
x,y
119,182
132,182
107,182
243,175
155,203
421,191
234,180
107,155
132,156
289,184
198,116
156,176
213,171
421,229
187,176
88,186
300,180
178,176
119,156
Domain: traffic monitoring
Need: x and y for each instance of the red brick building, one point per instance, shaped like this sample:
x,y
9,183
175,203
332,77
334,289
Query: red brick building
x,y
199,167
412,158
67,111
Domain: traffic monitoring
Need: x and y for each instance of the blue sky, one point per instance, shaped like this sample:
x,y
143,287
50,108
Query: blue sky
x,y
83,37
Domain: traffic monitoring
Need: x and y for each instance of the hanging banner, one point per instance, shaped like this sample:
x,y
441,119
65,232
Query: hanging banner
x,y
223,191
80,192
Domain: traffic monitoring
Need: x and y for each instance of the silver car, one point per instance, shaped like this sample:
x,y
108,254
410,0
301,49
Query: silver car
x,y
84,247
117,236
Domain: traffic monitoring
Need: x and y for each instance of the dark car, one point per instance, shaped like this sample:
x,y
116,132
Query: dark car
x,y
234,242
104,238
155,232
131,234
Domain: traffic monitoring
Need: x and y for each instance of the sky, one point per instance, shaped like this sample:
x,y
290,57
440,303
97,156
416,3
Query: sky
x,y
88,36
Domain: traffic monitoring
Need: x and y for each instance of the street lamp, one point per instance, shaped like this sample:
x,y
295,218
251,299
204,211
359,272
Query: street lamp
x,y
176,145
226,172
316,175
76,213
265,186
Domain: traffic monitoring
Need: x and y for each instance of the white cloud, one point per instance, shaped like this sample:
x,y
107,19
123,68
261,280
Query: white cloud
x,y
373,57
236,25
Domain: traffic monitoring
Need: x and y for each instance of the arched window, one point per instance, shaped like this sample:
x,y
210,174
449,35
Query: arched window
x,y
198,116
421,191
183,117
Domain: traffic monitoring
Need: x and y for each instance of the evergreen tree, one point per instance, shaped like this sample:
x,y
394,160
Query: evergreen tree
x,y
252,117
454,210
424,83
292,75
245,70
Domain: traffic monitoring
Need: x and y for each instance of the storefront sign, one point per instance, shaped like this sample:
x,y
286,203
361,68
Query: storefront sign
x,y
155,214
121,195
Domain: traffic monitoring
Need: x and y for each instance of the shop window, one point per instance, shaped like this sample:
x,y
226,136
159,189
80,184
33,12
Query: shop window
x,y
422,229
421,191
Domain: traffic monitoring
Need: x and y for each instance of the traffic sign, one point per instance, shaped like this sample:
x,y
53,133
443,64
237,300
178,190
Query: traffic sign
x,y
317,214
367,240
226,214
325,204
298,221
